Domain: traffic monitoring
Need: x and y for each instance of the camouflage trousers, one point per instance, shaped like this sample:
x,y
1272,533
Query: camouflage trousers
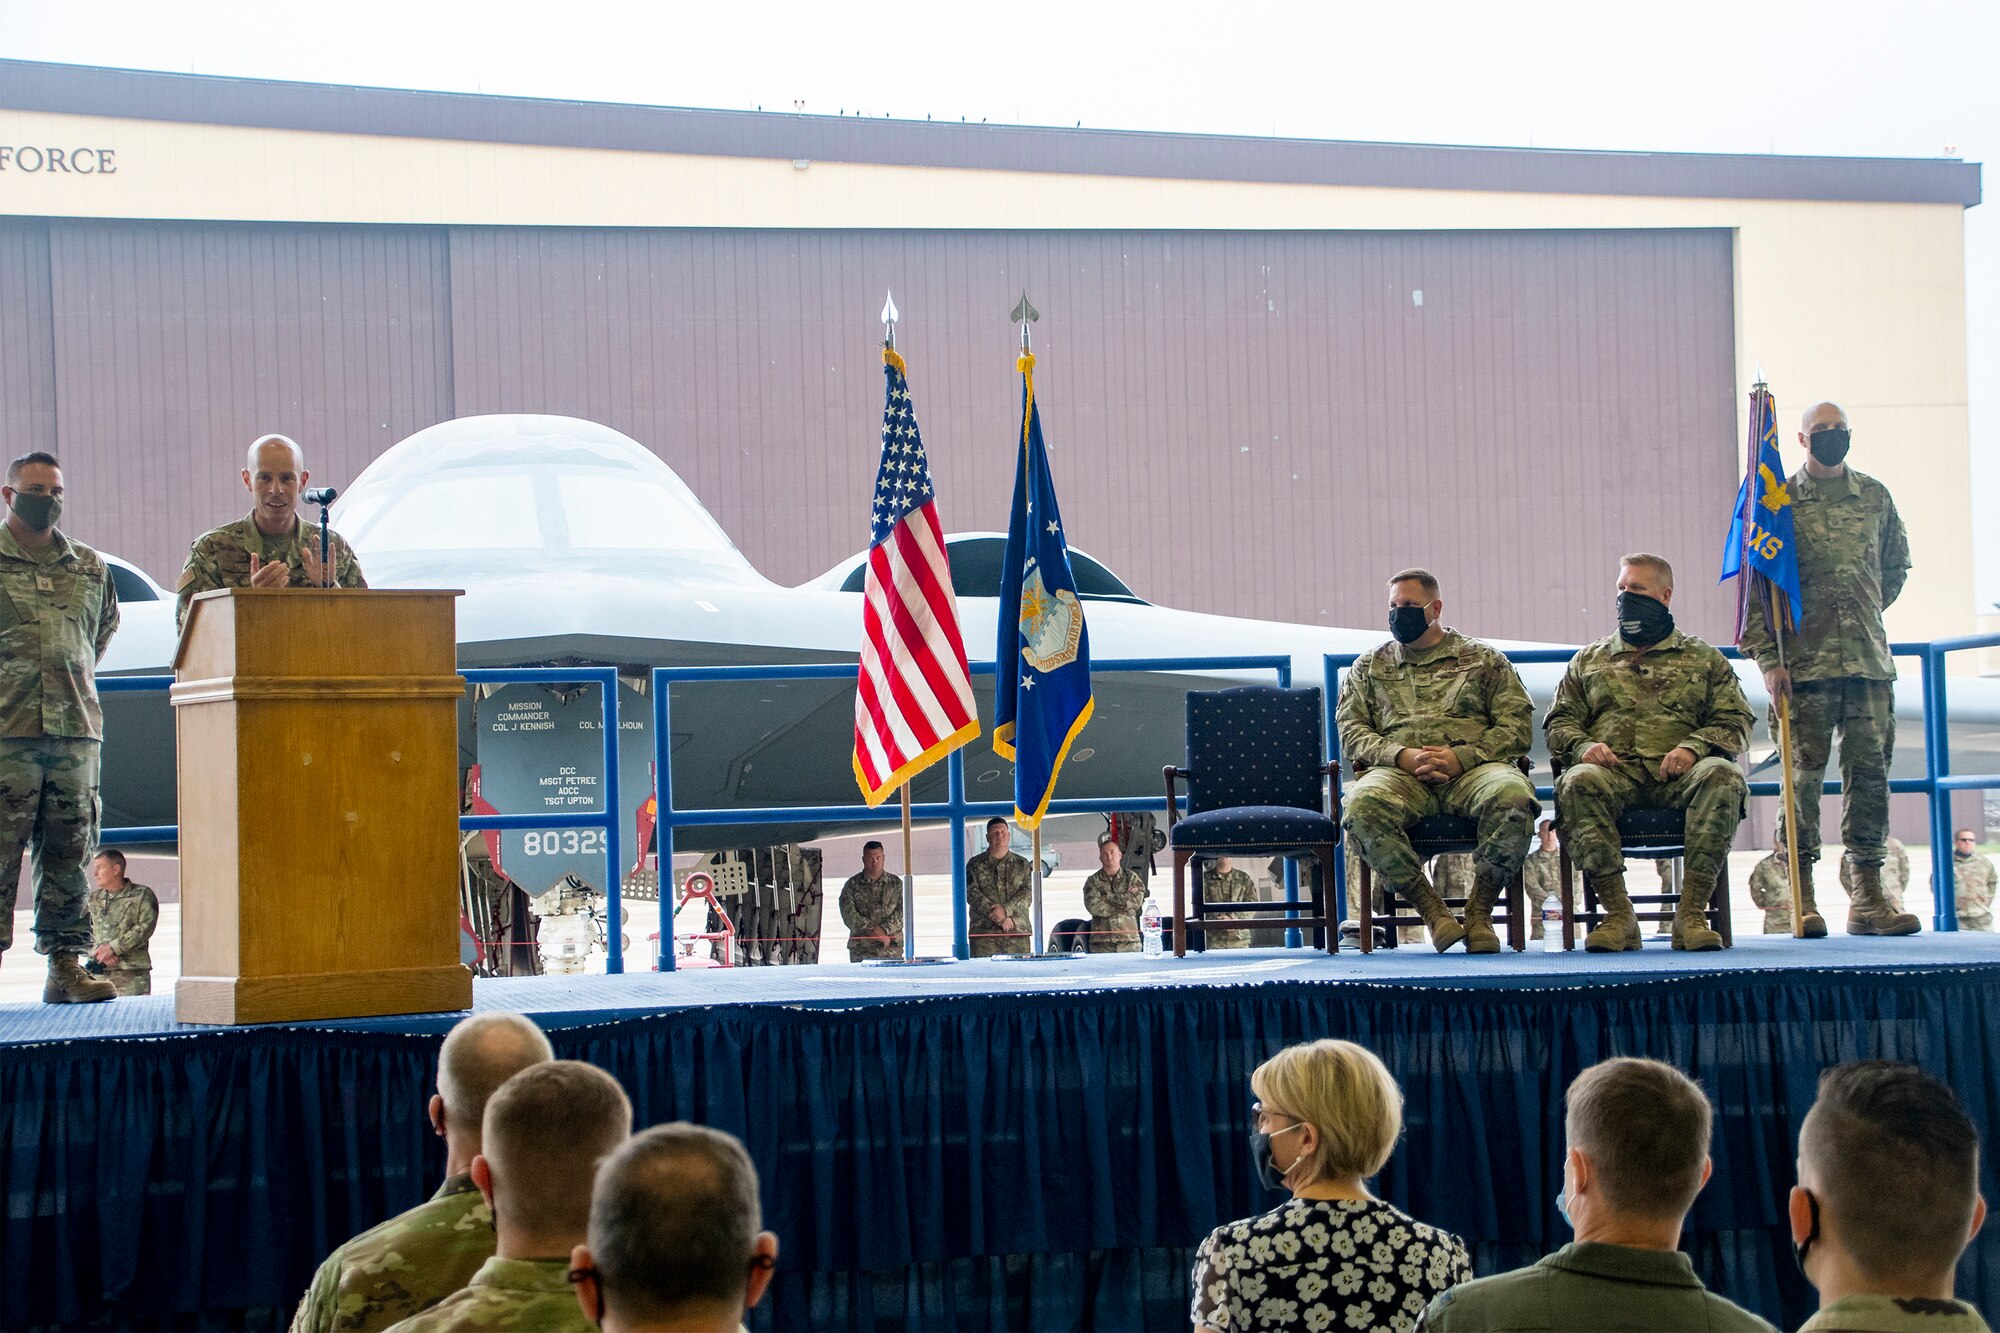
x,y
1863,713
130,982
1384,802
1712,795
48,808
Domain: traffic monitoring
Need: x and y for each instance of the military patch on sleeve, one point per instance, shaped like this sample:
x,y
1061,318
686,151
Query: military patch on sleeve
x,y
187,577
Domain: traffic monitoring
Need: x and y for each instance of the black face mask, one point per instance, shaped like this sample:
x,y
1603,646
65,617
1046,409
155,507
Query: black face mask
x,y
38,510
1268,1174
1801,1248
1643,621
1829,445
1408,623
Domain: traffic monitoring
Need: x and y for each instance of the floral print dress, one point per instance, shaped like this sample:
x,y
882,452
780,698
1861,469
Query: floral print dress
x,y
1324,1264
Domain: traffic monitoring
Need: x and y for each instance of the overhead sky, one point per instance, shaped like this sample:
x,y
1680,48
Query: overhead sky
x,y
1835,77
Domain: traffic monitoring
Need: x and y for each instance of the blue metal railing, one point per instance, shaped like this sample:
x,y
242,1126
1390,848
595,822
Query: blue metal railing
x,y
955,807
1937,784
1934,784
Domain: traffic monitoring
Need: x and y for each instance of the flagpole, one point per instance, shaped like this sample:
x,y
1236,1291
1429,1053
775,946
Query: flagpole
x,y
1784,709
909,882
1782,705
1035,902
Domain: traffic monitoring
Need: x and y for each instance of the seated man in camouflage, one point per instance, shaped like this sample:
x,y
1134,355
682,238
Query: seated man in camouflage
x,y
545,1132
416,1259
1222,882
871,907
273,547
998,888
1649,718
1438,720
1113,896
123,916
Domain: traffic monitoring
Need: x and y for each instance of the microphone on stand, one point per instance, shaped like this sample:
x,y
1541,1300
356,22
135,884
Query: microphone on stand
x,y
323,496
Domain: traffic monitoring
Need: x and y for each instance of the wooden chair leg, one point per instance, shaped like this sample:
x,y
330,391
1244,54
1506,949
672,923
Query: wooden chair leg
x,y
1565,889
1323,895
1180,902
1197,907
1517,926
1364,907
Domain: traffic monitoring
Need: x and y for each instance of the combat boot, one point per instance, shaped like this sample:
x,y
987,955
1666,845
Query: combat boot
x,y
1868,910
1619,930
1443,926
68,983
1691,929
1479,936
1814,924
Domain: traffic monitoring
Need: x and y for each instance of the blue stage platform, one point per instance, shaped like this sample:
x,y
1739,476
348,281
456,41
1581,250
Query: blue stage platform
x,y
972,1145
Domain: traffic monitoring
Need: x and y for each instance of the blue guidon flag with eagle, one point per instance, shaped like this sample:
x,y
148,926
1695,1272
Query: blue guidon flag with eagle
x,y
1042,687
1760,545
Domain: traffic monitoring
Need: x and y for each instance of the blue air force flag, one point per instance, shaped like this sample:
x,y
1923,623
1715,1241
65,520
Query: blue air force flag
x,y
1760,544
1041,687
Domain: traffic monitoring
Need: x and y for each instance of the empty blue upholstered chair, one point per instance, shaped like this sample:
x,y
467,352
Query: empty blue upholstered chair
x,y
1257,786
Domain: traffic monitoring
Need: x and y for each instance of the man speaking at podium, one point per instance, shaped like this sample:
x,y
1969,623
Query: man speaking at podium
x,y
273,547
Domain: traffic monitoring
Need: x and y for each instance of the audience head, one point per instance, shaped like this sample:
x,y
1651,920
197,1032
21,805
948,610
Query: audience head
x,y
1331,1110
1638,1136
676,1233
478,1055
544,1133
1880,1124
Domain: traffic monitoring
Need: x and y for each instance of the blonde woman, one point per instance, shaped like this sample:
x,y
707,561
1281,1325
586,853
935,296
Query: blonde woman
x,y
1335,1257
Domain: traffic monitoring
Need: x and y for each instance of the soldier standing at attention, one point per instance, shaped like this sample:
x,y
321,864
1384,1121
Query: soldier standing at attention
x,y
1221,882
57,613
998,884
1541,874
1853,559
1438,719
1113,896
871,905
1770,890
1972,883
122,918
273,547
1649,717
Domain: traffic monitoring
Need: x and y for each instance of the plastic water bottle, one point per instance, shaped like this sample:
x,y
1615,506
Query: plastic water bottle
x,y
1552,927
1149,926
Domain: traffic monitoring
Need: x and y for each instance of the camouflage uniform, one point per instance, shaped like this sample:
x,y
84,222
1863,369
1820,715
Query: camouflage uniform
x,y
1895,871
1006,884
1853,559
124,918
57,613
1972,883
508,1293
408,1263
1459,693
1644,703
220,558
873,912
1113,904
1772,891
1234,887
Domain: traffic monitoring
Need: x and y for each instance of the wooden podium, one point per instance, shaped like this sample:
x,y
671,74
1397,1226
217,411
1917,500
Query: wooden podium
x,y
318,766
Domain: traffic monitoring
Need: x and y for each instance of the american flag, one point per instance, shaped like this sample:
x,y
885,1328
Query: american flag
x,y
915,701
